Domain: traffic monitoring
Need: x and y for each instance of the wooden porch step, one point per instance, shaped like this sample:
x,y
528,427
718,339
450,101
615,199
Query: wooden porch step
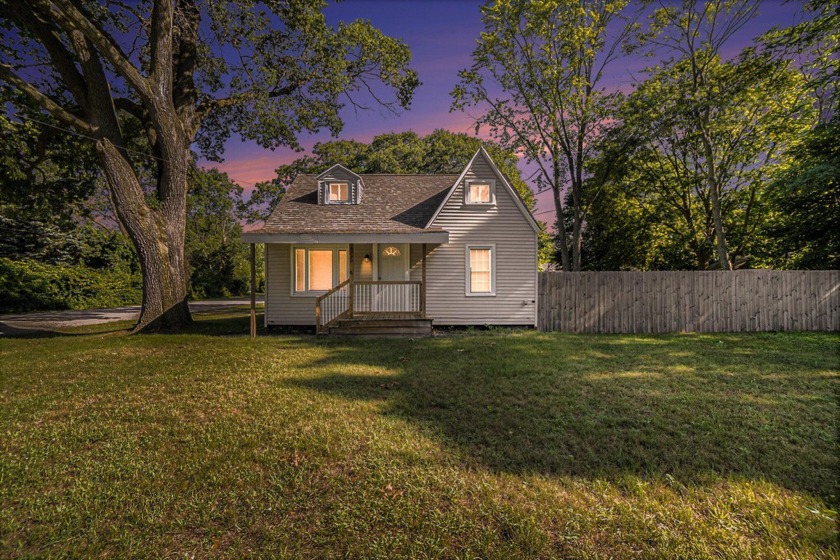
x,y
383,327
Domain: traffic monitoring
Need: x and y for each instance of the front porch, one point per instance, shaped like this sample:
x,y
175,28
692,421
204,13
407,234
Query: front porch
x,y
384,300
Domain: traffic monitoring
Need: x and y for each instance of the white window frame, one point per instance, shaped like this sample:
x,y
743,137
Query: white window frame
x,y
490,182
315,247
330,185
468,291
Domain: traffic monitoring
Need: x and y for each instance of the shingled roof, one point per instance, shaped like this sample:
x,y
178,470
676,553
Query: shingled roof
x,y
390,204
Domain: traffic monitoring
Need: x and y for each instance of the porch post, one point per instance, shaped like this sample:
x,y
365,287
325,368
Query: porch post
x,y
351,288
423,285
253,290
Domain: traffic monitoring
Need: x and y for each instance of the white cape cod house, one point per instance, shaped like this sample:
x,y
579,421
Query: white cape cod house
x,y
394,254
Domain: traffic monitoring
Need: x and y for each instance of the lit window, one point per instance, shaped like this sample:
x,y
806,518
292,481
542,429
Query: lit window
x,y
318,269
300,270
391,252
339,192
342,266
480,270
480,193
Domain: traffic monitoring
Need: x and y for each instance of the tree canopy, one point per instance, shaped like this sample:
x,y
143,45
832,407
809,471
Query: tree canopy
x,y
536,75
188,73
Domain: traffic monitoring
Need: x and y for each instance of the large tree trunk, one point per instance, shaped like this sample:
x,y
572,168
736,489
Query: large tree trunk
x,y
158,234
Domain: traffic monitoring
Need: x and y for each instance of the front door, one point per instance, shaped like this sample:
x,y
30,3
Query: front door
x,y
393,262
392,266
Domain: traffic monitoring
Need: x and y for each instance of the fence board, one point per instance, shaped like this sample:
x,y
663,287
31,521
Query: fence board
x,y
707,301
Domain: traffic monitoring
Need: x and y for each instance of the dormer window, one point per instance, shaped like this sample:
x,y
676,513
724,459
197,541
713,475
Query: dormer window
x,y
338,185
480,192
339,192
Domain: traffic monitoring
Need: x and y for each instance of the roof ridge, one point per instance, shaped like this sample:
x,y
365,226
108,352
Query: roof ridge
x,y
393,174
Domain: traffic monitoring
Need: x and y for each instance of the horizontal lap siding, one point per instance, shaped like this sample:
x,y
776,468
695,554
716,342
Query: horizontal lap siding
x,y
516,260
281,308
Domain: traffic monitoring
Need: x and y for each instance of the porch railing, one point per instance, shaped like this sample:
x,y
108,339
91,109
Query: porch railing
x,y
332,306
388,298
370,299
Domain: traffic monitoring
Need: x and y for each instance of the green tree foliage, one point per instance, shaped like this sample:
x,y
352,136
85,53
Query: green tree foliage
x,y
36,183
29,285
806,196
682,179
814,43
189,73
537,76
218,260
759,110
717,126
441,151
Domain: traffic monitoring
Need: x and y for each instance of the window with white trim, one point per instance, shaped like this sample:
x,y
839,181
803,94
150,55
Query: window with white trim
x,y
339,192
480,270
318,269
480,192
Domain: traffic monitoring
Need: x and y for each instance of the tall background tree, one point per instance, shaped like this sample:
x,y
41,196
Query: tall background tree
x,y
670,141
96,67
537,77
714,100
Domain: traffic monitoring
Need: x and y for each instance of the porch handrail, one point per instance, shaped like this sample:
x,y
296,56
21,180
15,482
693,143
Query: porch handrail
x,y
384,282
332,305
388,297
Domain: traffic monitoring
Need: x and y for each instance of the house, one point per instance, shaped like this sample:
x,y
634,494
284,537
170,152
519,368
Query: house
x,y
394,254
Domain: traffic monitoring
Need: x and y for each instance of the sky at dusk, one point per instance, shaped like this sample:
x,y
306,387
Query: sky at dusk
x,y
441,35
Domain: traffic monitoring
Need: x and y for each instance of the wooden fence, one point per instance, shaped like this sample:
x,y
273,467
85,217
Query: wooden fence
x,y
660,302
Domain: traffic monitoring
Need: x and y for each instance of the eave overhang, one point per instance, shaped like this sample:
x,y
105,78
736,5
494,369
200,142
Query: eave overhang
x,y
432,237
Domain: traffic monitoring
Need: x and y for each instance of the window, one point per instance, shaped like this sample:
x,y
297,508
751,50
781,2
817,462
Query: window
x,y
318,268
480,192
480,270
339,192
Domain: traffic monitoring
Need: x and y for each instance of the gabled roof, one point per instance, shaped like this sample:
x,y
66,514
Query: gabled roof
x,y
502,179
396,204
329,171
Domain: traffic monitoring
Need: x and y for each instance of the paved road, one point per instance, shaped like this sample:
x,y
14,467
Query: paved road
x,y
34,322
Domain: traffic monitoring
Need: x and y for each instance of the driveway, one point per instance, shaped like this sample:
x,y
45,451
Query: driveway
x,y
21,324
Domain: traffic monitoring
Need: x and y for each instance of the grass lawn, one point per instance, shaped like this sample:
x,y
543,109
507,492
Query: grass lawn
x,y
474,445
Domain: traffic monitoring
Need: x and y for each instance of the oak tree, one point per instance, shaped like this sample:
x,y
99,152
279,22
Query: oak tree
x,y
189,73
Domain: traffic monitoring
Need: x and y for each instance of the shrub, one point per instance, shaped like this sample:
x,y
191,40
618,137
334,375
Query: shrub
x,y
28,285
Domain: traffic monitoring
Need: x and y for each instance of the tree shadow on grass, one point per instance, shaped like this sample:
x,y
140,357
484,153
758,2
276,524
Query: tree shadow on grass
x,y
691,407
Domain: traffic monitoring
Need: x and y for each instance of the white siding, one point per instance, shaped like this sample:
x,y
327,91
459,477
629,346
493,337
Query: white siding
x,y
502,225
281,307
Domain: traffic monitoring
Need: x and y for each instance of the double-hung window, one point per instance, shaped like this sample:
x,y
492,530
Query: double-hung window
x,y
480,192
339,192
481,268
318,269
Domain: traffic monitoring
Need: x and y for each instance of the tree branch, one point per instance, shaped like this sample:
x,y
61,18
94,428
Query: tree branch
x,y
72,18
44,101
160,37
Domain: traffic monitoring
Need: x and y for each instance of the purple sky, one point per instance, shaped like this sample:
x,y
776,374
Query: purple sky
x,y
441,35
